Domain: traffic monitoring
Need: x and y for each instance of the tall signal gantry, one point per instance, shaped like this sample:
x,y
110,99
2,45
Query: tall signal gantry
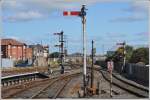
x,y
61,49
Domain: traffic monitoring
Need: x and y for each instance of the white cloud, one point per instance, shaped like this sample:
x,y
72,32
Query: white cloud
x,y
138,10
18,8
52,4
141,4
129,19
24,16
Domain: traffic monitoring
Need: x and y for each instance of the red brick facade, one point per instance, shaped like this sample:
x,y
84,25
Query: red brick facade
x,y
14,49
29,53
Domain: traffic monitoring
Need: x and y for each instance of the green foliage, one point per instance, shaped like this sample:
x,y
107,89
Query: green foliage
x,y
132,56
54,63
118,55
54,55
140,55
20,62
129,51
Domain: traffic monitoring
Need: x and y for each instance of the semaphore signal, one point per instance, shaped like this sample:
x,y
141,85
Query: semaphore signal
x,y
81,14
71,13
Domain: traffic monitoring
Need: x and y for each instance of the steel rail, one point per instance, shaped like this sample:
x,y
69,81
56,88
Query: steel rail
x,y
14,90
126,86
61,89
54,81
129,87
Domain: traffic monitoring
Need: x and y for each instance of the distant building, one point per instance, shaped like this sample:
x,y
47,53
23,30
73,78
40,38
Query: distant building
x,y
29,53
39,50
40,54
13,49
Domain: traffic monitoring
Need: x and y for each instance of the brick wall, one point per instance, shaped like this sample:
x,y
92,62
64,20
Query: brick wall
x,y
29,53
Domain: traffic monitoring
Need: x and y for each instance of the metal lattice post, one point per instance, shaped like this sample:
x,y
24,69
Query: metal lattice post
x,y
61,49
62,52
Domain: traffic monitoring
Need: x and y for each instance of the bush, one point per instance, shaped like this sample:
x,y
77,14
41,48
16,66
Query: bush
x,y
140,55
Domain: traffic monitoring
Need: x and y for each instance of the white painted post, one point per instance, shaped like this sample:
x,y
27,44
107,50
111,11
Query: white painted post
x,y
110,68
84,46
111,83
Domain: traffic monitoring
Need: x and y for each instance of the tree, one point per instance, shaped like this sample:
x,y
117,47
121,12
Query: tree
x,y
129,51
119,54
54,55
140,55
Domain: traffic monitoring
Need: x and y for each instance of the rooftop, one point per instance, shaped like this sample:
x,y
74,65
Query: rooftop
x,y
11,42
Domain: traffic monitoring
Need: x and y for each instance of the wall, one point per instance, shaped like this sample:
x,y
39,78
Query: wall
x,y
140,72
41,61
134,71
7,63
29,53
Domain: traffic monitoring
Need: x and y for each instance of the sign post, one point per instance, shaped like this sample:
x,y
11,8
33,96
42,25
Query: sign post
x,y
110,66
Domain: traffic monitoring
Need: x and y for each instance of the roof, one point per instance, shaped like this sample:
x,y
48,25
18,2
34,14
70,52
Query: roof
x,y
11,42
38,46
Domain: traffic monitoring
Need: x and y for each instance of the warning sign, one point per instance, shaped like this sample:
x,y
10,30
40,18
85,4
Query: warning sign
x,y
110,66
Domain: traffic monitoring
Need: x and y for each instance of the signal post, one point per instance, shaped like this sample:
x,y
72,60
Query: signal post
x,y
81,14
61,46
110,66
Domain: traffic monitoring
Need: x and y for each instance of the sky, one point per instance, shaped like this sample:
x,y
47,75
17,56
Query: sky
x,y
108,22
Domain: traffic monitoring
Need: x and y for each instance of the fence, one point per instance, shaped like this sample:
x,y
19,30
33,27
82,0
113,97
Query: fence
x,y
134,71
7,63
140,72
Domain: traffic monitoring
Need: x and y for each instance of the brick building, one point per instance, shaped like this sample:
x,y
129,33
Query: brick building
x,y
40,54
29,53
15,50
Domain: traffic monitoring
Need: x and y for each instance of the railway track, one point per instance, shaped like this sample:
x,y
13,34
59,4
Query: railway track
x,y
9,92
53,89
30,90
133,89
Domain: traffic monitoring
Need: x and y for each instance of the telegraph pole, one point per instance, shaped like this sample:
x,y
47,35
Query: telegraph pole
x,y
61,48
92,75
